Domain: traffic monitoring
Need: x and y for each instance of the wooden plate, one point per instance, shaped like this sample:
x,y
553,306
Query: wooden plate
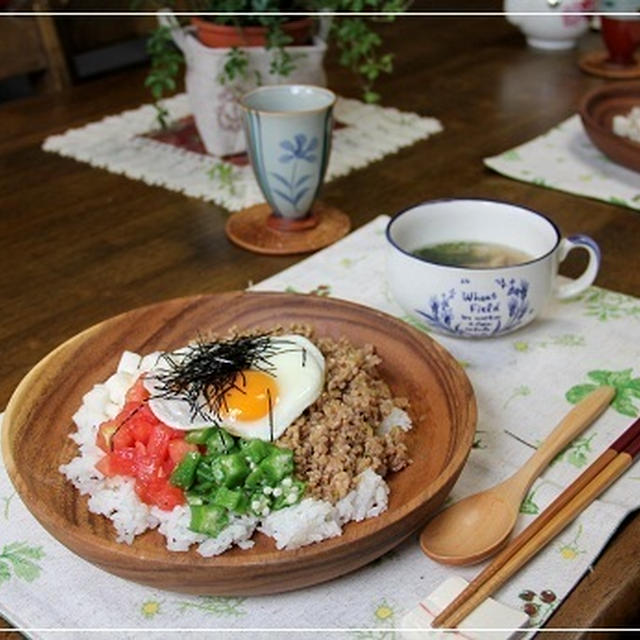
x,y
597,111
38,420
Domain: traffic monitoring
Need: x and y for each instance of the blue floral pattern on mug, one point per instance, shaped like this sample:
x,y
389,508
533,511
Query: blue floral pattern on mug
x,y
517,302
295,187
482,312
440,315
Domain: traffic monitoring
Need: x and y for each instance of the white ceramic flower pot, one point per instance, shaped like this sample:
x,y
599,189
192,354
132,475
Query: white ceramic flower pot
x,y
215,107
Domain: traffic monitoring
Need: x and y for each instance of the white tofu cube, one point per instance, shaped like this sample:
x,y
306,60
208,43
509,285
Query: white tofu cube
x,y
118,385
111,410
96,399
149,361
129,363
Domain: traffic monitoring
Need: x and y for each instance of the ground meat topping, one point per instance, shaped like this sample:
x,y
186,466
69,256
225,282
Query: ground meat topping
x,y
336,438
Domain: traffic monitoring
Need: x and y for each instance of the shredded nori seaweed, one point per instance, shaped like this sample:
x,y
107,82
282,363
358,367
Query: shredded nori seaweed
x,y
204,372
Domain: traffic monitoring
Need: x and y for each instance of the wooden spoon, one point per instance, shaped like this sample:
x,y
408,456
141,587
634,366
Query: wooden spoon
x,y
474,528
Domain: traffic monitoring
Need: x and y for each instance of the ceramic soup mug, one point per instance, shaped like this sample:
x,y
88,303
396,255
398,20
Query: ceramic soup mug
x,y
486,301
288,129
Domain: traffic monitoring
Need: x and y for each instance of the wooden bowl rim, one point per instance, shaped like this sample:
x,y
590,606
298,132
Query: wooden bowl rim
x,y
111,550
604,94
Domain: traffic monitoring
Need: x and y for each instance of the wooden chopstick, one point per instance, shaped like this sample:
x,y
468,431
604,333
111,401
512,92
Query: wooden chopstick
x,y
593,481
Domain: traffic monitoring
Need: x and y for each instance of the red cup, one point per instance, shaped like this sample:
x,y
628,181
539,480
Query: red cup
x,y
622,38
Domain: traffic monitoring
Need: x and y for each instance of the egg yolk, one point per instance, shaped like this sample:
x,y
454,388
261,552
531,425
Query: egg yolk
x,y
254,391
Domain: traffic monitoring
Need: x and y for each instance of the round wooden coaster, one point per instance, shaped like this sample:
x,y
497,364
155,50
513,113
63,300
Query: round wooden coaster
x,y
248,229
595,63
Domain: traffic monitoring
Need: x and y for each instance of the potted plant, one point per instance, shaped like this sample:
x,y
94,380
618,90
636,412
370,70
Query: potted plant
x,y
228,54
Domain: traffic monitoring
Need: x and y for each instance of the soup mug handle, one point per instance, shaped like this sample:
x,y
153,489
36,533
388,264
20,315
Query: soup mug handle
x,y
578,285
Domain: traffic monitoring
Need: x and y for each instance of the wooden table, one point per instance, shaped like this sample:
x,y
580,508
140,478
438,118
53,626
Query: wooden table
x,y
79,244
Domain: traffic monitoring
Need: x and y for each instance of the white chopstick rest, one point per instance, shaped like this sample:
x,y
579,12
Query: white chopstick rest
x,y
490,615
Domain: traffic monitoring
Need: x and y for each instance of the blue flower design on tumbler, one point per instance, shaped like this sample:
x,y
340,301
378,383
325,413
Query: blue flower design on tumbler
x,y
298,149
288,130
296,186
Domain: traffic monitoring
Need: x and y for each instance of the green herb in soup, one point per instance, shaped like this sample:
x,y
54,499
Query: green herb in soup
x,y
474,255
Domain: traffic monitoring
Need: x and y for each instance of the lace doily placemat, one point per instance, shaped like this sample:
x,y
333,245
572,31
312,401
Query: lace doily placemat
x,y
129,144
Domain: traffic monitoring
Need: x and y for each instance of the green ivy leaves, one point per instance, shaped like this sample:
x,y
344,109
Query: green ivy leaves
x,y
627,389
357,41
165,62
20,559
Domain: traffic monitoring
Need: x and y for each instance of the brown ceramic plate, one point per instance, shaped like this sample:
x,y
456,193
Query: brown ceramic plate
x,y
597,110
38,420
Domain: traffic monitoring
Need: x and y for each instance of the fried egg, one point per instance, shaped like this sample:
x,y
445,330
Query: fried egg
x,y
261,405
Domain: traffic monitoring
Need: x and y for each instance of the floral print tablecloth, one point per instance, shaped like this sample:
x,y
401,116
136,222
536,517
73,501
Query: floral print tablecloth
x,y
564,158
524,383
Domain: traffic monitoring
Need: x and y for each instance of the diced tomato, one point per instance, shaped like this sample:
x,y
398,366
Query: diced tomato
x,y
122,438
178,448
104,467
163,494
105,434
137,393
123,462
141,431
142,490
128,412
146,467
168,466
158,446
146,415
174,433
140,446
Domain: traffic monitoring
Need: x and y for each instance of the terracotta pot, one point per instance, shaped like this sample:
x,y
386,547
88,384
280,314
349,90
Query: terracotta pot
x,y
224,35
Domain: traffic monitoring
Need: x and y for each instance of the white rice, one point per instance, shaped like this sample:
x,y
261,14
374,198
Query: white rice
x,y
309,521
628,126
313,520
116,499
369,499
397,418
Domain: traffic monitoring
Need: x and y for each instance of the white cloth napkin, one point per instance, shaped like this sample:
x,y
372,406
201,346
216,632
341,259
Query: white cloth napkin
x,y
564,158
522,382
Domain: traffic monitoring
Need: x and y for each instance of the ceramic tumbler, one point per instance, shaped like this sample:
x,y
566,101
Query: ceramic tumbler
x,y
288,130
621,30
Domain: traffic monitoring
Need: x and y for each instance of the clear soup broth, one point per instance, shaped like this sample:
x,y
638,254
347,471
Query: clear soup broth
x,y
474,255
